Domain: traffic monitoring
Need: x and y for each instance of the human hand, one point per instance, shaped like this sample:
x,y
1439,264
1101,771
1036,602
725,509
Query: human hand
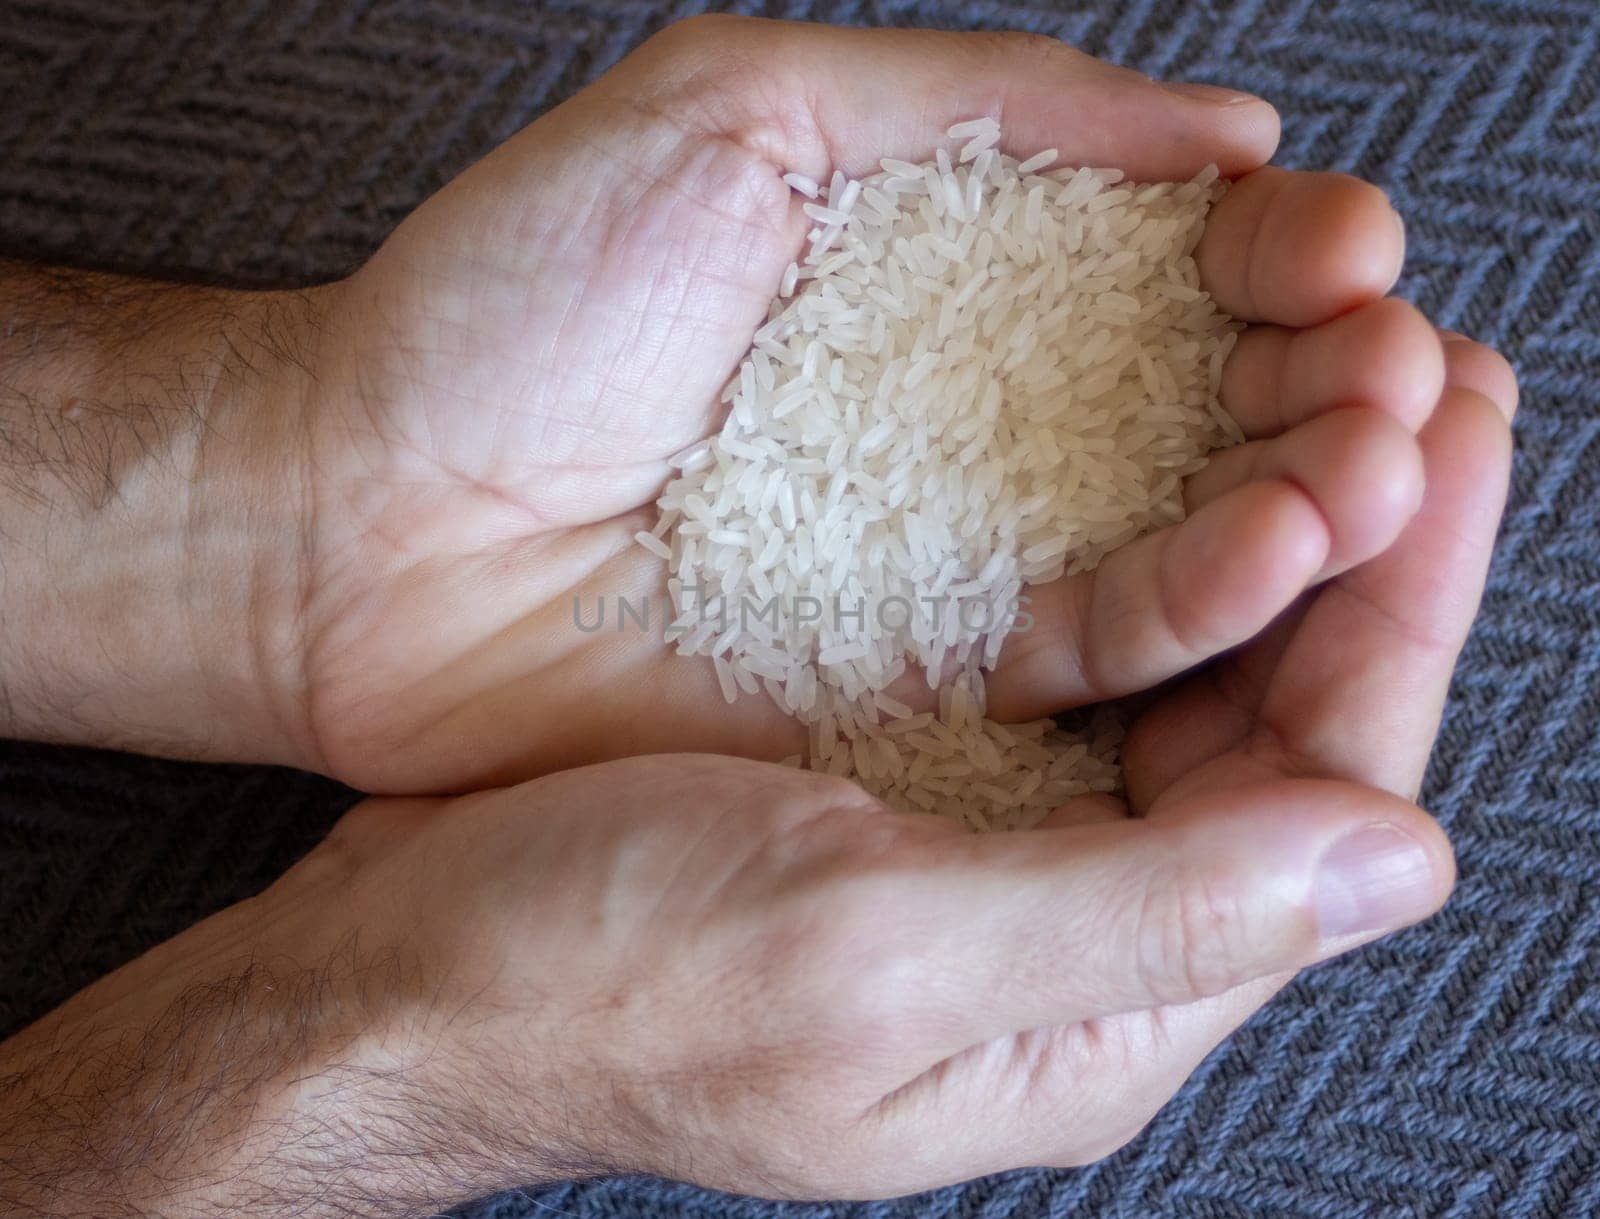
x,y
346,528
750,977
1352,683
497,391
759,979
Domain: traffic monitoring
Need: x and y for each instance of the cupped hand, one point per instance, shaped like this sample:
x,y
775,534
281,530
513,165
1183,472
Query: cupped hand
x,y
495,394
762,980
758,978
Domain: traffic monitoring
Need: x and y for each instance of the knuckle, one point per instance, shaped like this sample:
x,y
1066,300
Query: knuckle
x,y
1026,47
864,1004
1189,937
715,73
834,818
852,971
836,825
848,988
841,796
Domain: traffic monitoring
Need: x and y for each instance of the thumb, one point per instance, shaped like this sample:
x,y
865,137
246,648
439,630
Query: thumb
x,y
817,97
1058,926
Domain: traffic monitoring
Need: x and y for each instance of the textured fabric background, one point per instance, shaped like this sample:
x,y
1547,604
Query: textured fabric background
x,y
1451,1071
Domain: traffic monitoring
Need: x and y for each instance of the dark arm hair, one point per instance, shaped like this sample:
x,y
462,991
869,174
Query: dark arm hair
x,y
151,525
270,1089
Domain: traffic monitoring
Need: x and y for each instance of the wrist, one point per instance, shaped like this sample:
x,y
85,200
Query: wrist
x,y
152,506
245,561
280,1058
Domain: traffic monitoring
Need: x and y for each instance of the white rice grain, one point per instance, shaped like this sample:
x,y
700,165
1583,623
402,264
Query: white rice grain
x,y
975,375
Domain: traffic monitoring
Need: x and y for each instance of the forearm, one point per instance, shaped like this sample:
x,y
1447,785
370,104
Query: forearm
x,y
244,1069
161,1104
151,439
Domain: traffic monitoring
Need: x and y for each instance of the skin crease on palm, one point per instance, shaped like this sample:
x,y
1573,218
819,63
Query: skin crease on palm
x,y
496,391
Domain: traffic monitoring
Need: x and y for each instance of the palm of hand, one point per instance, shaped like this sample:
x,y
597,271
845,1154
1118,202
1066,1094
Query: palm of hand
x,y
500,387
519,376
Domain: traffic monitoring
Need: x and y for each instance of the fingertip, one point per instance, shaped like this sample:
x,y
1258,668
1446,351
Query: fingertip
x,y
1258,129
1475,366
1253,120
1353,242
1352,861
1265,126
1367,478
1395,462
1441,852
1244,128
1240,560
1358,467
1257,878
1299,249
1401,361
1292,534
1165,602
1474,430
1381,877
1384,355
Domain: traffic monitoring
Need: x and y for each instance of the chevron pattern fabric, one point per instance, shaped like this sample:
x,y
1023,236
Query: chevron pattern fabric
x,y
1449,1072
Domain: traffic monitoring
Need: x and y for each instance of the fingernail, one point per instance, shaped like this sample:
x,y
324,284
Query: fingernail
x,y
1376,879
1453,336
1212,95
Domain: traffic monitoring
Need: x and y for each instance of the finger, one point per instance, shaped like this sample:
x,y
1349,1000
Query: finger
x,y
1354,684
1083,923
1473,366
1360,466
1270,519
1359,691
1297,249
1163,603
815,98
1385,356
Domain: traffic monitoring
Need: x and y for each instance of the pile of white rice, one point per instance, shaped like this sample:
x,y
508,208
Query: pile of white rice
x,y
982,374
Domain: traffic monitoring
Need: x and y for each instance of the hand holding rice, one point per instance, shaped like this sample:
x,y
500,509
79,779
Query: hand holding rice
x,y
983,374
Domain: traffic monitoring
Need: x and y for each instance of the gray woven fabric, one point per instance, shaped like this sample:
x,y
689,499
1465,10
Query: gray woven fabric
x,y
1450,1071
